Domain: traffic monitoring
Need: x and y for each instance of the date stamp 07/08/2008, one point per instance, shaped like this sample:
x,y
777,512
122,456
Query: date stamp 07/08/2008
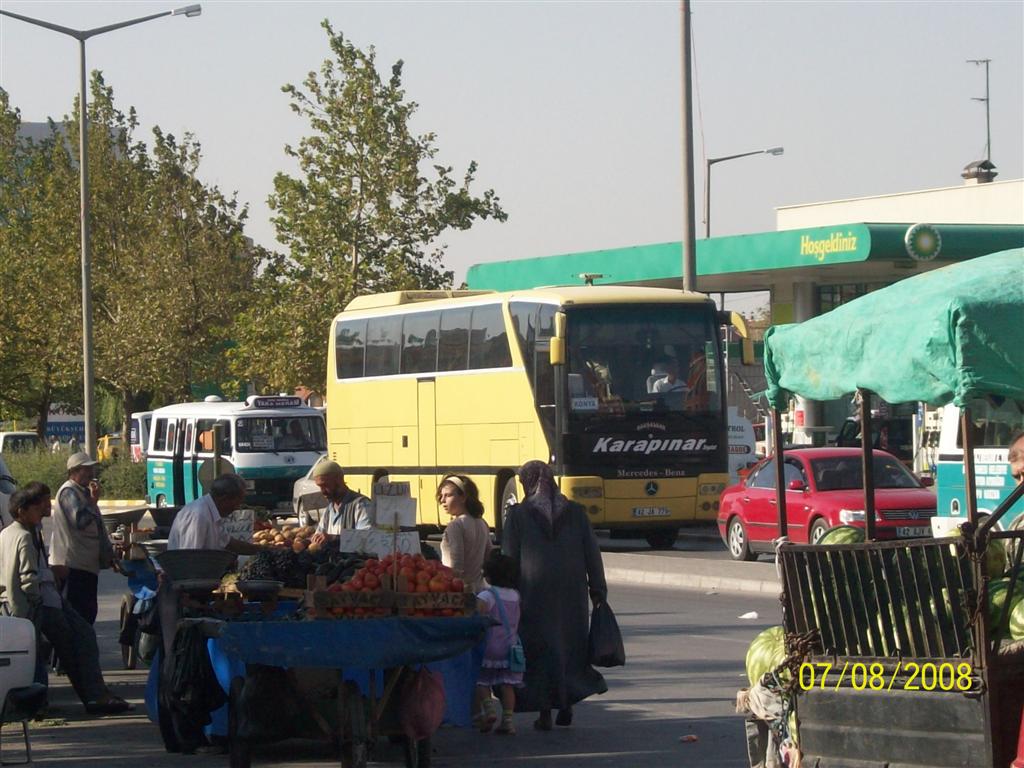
x,y
860,676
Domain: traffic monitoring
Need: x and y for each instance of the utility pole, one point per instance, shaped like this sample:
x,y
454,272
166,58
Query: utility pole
x,y
689,241
988,118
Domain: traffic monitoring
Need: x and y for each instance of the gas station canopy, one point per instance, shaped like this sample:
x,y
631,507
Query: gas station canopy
x,y
824,255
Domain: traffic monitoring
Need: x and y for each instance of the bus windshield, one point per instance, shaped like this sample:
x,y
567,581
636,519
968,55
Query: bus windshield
x,y
641,359
280,433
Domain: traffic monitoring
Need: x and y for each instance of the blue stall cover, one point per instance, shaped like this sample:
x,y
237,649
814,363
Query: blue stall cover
x,y
371,644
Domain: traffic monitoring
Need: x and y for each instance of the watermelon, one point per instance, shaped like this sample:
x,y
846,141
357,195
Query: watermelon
x,y
842,534
995,559
997,591
1017,618
766,653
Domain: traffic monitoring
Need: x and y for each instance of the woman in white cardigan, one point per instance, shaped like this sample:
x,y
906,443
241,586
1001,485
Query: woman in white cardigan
x,y
467,538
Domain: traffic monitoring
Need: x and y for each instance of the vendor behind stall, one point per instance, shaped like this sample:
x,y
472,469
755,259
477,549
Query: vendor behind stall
x,y
346,509
200,525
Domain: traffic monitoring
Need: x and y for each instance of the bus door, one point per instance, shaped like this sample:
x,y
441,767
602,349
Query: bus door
x,y
427,417
190,463
178,461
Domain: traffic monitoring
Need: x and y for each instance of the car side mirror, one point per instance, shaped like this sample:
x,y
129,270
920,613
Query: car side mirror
x,y
796,485
927,481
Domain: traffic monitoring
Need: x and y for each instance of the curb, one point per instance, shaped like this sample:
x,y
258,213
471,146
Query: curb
x,y
690,574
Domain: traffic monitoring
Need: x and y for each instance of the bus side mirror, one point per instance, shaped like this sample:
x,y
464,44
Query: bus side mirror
x,y
556,351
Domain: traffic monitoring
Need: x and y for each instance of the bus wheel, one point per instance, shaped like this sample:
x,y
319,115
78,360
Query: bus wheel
x,y
161,500
509,498
662,538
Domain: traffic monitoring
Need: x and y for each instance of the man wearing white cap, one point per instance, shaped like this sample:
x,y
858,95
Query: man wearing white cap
x,y
346,509
79,545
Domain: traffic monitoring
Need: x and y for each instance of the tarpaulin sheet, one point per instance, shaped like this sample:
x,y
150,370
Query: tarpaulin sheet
x,y
949,335
367,644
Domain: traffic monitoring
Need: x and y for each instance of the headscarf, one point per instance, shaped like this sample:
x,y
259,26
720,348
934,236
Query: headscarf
x,y
541,490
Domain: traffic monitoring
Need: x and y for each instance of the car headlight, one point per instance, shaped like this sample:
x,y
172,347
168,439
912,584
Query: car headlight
x,y
587,492
848,516
710,489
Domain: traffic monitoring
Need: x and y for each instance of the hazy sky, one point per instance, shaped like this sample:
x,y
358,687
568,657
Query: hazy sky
x,y
572,110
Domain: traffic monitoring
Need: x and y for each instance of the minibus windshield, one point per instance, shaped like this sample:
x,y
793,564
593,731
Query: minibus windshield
x,y
280,433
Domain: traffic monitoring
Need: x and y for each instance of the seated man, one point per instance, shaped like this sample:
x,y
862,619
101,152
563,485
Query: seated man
x,y
28,590
295,439
671,382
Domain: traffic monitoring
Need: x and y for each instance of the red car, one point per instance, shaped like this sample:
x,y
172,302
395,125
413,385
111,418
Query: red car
x,y
824,488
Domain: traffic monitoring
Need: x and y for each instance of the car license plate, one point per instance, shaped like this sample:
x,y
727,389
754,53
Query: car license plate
x,y
913,532
651,512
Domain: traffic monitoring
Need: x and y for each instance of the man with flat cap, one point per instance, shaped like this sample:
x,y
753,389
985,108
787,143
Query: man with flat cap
x,y
79,545
346,509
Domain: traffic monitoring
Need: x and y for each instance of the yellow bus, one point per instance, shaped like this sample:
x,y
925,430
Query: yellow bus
x,y
619,388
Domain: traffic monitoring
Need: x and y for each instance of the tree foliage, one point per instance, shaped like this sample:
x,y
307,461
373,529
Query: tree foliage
x,y
363,215
170,266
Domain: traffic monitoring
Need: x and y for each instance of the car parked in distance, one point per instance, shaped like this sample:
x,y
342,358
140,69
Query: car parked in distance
x,y
824,488
10,442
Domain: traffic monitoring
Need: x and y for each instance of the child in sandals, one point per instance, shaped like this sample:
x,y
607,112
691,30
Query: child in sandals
x,y
500,602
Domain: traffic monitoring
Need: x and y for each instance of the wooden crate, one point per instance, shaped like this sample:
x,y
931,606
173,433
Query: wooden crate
x,y
436,603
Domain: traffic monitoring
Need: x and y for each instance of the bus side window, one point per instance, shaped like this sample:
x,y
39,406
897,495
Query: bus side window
x,y
383,345
419,342
488,341
453,348
160,435
350,349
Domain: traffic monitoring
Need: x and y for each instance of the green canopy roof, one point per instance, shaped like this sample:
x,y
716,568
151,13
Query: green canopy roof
x,y
949,335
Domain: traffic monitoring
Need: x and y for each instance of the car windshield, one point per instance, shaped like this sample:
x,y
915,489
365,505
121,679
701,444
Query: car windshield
x,y
844,473
281,433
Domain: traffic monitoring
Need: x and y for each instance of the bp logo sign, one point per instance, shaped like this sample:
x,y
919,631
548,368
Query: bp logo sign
x,y
923,242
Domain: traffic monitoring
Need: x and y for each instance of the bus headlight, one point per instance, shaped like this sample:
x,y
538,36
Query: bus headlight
x,y
848,516
587,492
710,489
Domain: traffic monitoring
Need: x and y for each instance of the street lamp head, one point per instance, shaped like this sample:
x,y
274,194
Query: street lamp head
x,y
189,11
774,151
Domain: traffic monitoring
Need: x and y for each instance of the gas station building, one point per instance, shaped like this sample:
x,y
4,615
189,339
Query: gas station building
x,y
820,256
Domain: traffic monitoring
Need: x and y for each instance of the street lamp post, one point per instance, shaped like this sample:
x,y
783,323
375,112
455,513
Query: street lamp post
x,y
707,179
81,35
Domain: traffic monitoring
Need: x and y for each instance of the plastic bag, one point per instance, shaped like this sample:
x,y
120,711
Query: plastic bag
x,y
606,649
422,706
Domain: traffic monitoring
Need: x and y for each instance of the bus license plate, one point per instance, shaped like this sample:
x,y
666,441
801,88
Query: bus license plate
x,y
913,532
651,512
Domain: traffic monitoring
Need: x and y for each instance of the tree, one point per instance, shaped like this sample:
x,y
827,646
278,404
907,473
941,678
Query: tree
x,y
40,323
364,216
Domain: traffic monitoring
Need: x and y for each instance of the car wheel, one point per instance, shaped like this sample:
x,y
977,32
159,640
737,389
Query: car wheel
x,y
818,529
509,498
161,500
739,547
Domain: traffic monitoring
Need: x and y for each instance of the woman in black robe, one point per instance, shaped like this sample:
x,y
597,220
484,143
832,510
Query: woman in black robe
x,y
551,540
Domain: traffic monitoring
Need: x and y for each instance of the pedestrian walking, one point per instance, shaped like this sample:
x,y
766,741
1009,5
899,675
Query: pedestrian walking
x,y
467,538
553,545
79,545
504,661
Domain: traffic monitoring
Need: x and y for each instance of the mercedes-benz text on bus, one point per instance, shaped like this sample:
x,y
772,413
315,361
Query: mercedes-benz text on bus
x,y
620,388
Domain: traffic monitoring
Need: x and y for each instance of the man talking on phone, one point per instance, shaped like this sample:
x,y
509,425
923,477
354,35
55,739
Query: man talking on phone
x,y
79,546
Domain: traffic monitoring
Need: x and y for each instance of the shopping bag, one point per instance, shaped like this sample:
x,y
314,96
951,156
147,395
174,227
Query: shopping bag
x,y
422,704
606,649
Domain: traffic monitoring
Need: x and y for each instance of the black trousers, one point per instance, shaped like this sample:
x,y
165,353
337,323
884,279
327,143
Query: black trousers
x,y
80,591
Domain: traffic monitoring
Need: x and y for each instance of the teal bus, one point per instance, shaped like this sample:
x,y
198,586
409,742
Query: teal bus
x,y
995,423
269,441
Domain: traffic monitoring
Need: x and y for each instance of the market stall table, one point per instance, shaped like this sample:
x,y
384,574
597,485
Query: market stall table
x,y
371,645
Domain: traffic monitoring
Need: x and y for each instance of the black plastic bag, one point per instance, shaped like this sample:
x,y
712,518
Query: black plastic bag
x,y
606,649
